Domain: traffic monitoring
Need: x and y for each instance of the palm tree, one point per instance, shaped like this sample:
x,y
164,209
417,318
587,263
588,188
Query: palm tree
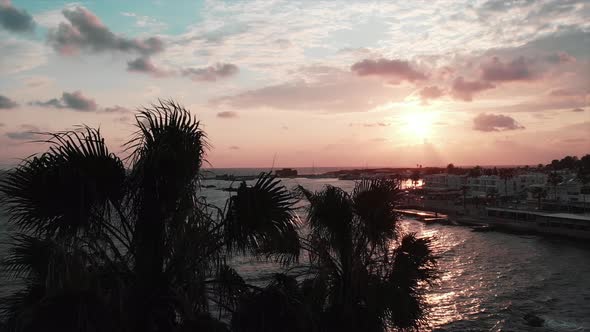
x,y
362,275
464,190
415,177
506,174
538,193
492,193
102,247
554,179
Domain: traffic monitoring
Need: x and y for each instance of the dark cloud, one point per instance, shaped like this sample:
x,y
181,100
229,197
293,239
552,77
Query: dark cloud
x,y
394,70
515,70
577,110
211,73
495,122
465,90
7,103
27,132
559,58
503,5
234,147
431,92
227,115
74,100
144,65
13,19
86,32
116,109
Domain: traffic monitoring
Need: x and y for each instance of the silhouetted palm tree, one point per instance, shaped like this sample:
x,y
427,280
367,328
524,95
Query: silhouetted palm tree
x,y
554,179
363,274
103,248
415,177
538,193
506,174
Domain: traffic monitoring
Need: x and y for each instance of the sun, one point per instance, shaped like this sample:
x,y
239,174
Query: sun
x,y
418,124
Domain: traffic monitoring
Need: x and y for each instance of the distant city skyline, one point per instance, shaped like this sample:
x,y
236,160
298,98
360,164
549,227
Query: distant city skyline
x,y
302,83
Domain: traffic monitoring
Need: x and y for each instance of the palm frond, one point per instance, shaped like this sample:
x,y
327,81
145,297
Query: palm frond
x,y
65,189
374,203
330,215
261,219
278,307
167,152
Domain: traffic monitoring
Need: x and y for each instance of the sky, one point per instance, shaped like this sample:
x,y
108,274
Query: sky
x,y
301,83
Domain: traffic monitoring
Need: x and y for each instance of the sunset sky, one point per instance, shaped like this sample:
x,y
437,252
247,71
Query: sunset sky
x,y
334,83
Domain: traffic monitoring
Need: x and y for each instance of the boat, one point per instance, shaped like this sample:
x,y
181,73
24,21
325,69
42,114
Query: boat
x,y
482,228
436,220
425,216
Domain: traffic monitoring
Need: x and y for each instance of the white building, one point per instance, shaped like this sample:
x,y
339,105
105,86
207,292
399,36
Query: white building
x,y
485,184
442,182
569,190
516,185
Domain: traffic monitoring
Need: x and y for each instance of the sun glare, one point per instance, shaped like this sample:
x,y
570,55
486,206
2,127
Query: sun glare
x,y
418,125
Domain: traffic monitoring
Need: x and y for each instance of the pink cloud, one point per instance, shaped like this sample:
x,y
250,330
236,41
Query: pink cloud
x,y
431,92
395,70
227,115
211,73
495,122
145,65
518,69
465,90
560,57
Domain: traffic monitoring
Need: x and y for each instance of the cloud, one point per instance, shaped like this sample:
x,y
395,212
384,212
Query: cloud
x,y
577,110
500,6
144,65
431,92
146,22
227,115
515,70
74,100
211,73
495,122
394,70
334,91
27,132
559,58
7,103
371,124
234,147
15,20
465,90
575,140
85,31
19,54
563,93
116,109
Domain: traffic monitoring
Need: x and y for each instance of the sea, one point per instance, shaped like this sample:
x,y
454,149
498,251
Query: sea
x,y
488,281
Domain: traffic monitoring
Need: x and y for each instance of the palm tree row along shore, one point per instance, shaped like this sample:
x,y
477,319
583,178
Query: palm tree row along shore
x,y
102,243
